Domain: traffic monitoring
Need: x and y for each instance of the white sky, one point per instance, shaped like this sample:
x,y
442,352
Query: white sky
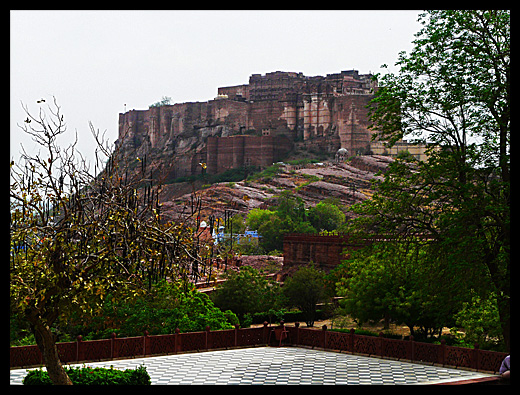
x,y
94,62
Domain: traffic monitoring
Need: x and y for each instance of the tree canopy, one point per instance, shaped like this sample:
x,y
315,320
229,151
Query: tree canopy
x,y
452,91
291,216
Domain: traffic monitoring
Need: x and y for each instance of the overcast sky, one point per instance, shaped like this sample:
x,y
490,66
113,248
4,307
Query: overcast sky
x,y
95,62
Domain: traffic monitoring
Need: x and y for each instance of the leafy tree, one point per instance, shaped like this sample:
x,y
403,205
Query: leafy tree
x,y
404,281
269,227
304,289
480,320
247,292
291,207
326,216
289,216
236,223
75,237
452,91
167,307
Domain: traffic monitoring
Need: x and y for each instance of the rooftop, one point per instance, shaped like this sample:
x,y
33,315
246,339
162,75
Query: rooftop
x,y
282,365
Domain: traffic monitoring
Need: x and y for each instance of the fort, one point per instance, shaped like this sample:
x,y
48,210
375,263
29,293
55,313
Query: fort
x,y
257,123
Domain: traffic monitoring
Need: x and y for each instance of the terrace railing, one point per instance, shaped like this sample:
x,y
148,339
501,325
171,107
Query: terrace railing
x,y
149,345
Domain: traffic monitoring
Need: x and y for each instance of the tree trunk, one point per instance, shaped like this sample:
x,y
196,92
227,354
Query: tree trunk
x,y
387,320
47,345
504,313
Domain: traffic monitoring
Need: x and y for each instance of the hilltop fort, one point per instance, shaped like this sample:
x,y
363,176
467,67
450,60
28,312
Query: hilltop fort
x,y
258,123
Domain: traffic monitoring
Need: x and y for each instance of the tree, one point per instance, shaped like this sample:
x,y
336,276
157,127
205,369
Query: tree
x,y
269,227
165,101
304,289
77,236
247,292
403,280
289,216
480,320
168,307
453,92
326,216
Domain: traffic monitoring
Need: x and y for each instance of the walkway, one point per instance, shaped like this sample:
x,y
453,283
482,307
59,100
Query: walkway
x,y
281,365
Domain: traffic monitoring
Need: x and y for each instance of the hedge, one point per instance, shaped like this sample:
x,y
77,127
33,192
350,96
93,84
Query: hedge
x,y
93,376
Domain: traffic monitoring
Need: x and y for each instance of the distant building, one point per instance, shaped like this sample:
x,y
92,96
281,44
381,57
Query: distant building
x,y
259,123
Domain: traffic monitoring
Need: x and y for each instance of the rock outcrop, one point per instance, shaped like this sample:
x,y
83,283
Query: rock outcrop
x,y
349,182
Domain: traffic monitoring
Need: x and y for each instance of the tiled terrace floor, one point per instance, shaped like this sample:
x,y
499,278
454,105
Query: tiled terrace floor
x,y
284,365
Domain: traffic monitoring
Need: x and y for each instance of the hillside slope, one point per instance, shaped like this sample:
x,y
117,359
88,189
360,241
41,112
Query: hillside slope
x,y
349,182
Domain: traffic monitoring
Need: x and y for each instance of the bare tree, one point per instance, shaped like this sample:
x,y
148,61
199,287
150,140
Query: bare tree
x,y
77,235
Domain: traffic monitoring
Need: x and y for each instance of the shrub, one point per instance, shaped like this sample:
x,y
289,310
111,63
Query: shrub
x,y
93,376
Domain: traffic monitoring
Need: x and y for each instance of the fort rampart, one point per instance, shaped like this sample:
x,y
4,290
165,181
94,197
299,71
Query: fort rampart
x,y
318,113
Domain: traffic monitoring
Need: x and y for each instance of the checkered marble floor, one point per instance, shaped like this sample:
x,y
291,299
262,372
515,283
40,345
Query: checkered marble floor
x,y
281,365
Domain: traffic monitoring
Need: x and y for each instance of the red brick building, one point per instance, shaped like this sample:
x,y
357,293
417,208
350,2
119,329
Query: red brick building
x,y
325,251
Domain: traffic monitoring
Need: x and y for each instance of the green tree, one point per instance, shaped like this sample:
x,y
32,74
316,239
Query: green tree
x,y
452,91
326,216
405,281
76,237
290,216
304,289
167,307
237,224
480,320
291,207
165,101
247,292
269,227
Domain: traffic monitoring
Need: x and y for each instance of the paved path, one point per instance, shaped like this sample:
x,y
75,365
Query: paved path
x,y
281,365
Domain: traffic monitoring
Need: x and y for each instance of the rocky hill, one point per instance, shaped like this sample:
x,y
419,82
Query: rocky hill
x,y
349,182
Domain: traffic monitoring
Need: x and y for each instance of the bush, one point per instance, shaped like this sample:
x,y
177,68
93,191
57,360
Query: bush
x,y
93,376
160,311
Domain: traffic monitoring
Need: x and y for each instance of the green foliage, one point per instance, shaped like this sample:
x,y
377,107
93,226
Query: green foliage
x,y
292,315
247,292
160,311
405,281
93,376
452,91
248,246
165,100
265,175
304,289
291,216
326,216
268,225
237,224
481,322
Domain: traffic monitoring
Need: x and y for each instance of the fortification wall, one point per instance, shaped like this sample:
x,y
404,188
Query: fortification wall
x,y
224,153
321,114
